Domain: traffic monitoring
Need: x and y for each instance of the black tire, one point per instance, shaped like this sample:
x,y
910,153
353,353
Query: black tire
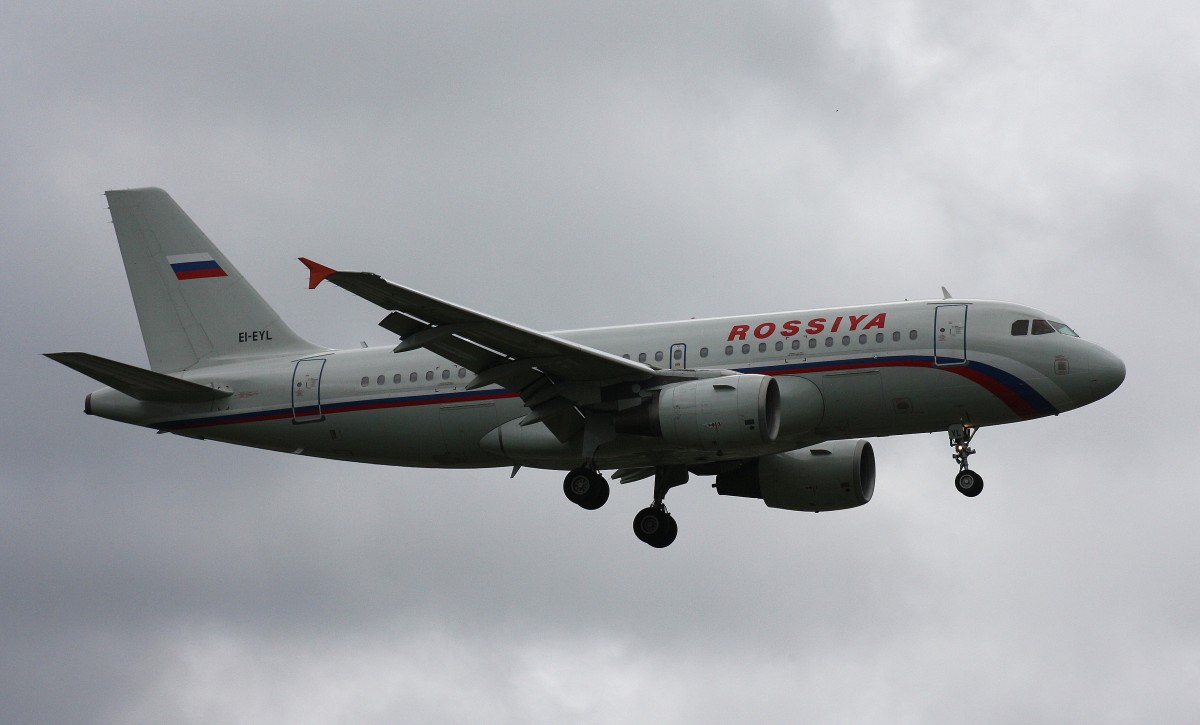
x,y
968,483
586,488
655,527
599,494
669,534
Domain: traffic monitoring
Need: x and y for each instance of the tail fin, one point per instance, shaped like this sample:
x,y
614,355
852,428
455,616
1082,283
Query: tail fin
x,y
194,307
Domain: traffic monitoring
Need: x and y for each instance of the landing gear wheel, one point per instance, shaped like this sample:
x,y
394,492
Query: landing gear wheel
x,y
586,488
669,537
655,527
968,482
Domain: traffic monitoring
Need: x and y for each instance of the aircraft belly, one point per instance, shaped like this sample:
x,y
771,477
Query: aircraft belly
x,y
924,399
463,426
428,436
536,446
853,400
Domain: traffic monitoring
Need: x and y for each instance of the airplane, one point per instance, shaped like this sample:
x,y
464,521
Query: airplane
x,y
775,406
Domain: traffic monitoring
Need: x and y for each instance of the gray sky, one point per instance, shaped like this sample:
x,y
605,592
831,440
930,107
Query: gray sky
x,y
564,165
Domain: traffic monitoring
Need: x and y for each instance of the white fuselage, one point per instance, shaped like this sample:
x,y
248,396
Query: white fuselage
x,y
884,369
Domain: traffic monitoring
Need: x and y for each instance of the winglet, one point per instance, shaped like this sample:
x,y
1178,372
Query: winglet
x,y
317,273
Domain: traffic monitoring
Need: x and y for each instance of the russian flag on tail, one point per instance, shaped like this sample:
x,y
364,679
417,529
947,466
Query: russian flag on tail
x,y
194,266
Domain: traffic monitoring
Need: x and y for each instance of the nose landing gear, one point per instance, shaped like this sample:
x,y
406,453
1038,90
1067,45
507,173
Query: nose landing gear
x,y
968,482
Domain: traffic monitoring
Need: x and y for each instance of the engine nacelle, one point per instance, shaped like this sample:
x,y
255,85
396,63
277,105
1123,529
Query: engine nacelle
x,y
826,477
728,412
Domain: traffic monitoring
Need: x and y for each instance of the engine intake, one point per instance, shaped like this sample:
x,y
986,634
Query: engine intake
x,y
827,477
731,411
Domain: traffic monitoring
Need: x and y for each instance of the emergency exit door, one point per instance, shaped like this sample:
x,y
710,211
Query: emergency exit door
x,y
679,356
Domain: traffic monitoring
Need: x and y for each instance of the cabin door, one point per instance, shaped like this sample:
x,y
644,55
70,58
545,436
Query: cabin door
x,y
950,335
306,391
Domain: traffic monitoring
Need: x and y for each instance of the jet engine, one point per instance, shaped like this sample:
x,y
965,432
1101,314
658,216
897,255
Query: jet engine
x,y
728,412
826,477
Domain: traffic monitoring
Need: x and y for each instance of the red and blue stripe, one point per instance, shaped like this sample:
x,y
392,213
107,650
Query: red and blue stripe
x,y
1014,392
1010,389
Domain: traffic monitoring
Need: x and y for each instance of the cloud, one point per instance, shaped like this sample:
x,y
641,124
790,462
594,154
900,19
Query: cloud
x,y
563,167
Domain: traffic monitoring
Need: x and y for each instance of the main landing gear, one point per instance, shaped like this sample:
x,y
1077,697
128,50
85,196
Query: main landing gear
x,y
654,525
585,487
968,482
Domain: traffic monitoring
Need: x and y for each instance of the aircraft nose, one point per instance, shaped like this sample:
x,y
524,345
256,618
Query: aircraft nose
x,y
1107,372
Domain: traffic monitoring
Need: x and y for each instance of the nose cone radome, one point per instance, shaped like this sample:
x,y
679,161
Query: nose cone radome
x,y
1107,372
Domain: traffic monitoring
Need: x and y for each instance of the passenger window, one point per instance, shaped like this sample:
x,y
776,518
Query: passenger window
x,y
845,339
878,337
658,356
779,346
429,375
896,336
1020,327
397,378
462,372
728,350
812,343
366,381
912,334
641,357
626,356
380,380
412,377
795,344
445,375
1041,327
745,349
678,354
704,352
762,347
862,339
829,342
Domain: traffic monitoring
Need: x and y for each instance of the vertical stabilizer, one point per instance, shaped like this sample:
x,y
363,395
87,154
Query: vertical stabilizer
x,y
194,307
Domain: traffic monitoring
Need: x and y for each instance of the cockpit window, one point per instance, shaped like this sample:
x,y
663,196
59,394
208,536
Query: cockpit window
x,y
1063,329
1041,327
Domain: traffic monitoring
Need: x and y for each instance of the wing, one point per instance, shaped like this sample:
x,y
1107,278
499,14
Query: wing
x,y
555,377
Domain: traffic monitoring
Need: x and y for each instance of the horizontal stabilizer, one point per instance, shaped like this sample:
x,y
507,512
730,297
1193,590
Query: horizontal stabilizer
x,y
137,382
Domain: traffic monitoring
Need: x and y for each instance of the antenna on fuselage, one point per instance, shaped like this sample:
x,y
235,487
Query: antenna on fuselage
x,y
945,293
